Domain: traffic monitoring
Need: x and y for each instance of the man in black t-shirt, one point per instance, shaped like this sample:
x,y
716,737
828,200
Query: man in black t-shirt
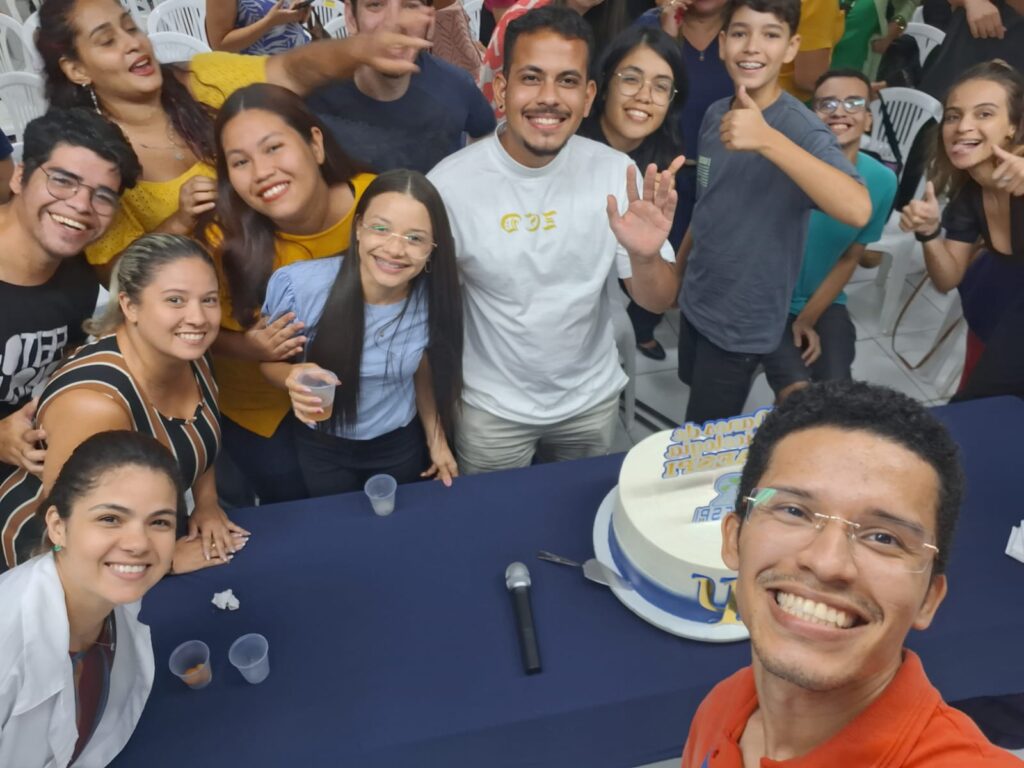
x,y
410,121
74,167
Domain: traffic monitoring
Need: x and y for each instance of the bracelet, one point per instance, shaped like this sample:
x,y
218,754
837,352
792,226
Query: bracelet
x,y
900,22
926,238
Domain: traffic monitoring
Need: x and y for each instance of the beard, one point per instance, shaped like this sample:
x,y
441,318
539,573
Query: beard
x,y
546,151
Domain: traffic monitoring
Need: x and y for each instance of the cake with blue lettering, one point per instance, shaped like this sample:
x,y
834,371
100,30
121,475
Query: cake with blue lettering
x,y
665,535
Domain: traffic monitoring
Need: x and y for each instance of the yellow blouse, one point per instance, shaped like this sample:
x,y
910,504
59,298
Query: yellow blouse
x,y
212,78
246,397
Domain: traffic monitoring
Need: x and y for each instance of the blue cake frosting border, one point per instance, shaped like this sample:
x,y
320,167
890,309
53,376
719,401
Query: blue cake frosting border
x,y
671,602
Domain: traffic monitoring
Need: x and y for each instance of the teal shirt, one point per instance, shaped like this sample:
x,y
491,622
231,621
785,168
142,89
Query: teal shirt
x,y
828,239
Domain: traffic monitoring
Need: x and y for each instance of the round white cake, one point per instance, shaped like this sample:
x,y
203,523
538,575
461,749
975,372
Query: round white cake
x,y
666,535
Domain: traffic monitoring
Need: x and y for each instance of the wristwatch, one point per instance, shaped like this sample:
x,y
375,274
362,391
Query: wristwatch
x,y
900,22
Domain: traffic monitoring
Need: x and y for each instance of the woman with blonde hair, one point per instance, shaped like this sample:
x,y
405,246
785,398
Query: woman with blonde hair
x,y
148,371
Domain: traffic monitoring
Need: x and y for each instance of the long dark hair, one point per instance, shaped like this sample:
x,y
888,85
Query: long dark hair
x,y
249,237
55,40
607,20
662,146
338,343
948,179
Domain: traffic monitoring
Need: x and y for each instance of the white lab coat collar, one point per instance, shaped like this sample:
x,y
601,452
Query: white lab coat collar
x,y
48,673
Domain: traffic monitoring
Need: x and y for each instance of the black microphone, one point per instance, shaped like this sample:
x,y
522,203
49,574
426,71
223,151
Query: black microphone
x,y
517,579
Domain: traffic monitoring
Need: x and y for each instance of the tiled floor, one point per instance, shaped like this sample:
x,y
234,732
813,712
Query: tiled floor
x,y
876,361
658,386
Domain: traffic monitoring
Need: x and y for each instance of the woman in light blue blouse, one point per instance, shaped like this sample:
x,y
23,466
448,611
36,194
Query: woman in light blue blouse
x,y
257,27
386,320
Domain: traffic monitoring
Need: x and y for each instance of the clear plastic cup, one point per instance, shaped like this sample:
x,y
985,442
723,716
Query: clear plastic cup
x,y
191,662
249,654
380,489
321,384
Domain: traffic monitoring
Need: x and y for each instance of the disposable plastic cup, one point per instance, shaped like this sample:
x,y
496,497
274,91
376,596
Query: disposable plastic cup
x,y
380,489
249,654
191,662
321,384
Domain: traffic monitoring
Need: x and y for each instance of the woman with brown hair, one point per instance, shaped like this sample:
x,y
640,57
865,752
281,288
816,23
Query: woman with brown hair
x,y
286,192
94,55
148,371
978,246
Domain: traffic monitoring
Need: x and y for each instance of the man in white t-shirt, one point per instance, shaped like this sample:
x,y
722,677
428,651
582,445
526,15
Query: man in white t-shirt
x,y
538,230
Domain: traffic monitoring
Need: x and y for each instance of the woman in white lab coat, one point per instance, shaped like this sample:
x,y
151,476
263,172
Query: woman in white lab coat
x,y
76,666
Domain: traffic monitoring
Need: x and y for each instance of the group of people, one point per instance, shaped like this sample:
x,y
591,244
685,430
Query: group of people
x,y
265,226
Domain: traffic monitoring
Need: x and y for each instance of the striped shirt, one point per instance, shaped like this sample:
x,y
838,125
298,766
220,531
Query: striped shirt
x,y
100,367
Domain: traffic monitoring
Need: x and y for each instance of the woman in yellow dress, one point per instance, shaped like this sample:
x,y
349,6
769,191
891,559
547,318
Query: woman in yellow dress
x,y
94,55
286,193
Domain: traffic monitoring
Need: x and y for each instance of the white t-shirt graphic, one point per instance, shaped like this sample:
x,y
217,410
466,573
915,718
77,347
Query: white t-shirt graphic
x,y
535,249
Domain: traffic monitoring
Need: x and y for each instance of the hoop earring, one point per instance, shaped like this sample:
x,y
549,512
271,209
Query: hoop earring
x,y
426,267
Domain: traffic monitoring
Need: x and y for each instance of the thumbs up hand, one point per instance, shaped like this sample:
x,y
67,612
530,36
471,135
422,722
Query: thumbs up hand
x,y
743,128
921,216
1009,172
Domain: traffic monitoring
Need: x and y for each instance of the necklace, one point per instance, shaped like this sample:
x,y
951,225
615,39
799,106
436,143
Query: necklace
x,y
179,155
174,146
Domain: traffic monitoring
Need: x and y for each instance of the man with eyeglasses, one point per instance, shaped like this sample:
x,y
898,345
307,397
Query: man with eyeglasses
x,y
849,497
818,344
74,167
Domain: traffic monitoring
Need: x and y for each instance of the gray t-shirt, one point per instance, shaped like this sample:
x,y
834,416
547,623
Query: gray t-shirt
x,y
749,227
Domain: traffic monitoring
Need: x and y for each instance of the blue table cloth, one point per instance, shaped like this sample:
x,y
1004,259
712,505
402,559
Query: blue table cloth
x,y
392,640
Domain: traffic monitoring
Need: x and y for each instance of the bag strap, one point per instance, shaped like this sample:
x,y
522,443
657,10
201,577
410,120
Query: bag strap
x,y
890,132
938,342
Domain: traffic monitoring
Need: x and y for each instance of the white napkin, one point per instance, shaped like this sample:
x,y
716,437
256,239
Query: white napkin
x,y
1015,546
225,600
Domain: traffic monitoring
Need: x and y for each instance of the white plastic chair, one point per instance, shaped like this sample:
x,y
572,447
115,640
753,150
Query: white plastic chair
x,y
336,27
927,37
187,17
909,110
472,9
13,57
140,10
11,6
625,342
34,61
21,94
174,47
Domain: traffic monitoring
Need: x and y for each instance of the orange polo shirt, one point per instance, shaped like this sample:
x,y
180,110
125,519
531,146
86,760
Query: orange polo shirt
x,y
909,726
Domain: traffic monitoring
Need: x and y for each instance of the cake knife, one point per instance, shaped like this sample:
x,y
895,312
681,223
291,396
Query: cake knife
x,y
593,569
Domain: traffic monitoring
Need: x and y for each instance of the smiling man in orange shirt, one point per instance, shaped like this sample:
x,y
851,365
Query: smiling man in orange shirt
x,y
847,506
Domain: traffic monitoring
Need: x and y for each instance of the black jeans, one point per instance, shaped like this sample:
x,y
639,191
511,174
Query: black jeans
x,y
337,465
719,380
644,321
268,465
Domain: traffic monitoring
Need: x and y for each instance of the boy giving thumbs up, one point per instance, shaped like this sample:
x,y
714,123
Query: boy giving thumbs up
x,y
764,162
